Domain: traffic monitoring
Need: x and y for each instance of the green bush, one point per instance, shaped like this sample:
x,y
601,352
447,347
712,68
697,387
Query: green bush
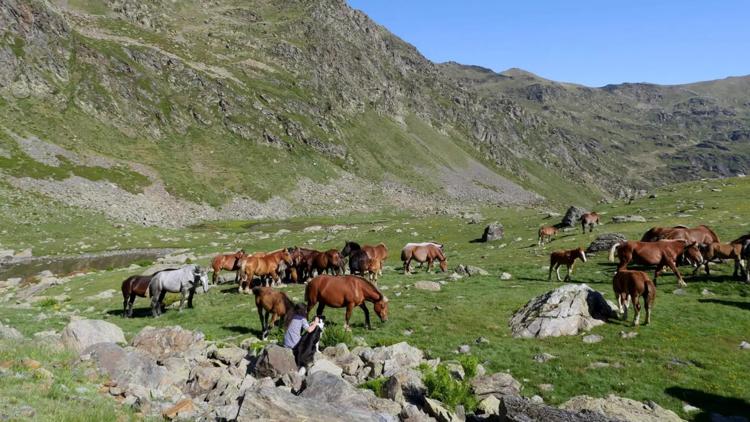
x,y
376,385
469,363
441,386
47,303
335,334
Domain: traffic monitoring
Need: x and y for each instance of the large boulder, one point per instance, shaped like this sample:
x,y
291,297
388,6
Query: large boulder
x,y
494,231
126,366
266,402
165,342
392,358
275,361
622,408
406,385
572,216
437,410
83,333
334,390
498,384
519,409
604,242
565,311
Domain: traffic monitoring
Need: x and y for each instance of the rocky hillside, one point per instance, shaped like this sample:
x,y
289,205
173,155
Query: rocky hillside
x,y
170,113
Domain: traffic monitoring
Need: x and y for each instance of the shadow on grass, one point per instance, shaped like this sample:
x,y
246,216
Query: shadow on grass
x,y
137,312
737,304
239,329
710,403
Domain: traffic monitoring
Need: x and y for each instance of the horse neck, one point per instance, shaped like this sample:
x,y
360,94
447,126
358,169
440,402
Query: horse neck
x,y
370,292
440,254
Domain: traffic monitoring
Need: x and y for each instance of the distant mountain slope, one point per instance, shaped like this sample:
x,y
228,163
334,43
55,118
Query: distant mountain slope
x,y
239,109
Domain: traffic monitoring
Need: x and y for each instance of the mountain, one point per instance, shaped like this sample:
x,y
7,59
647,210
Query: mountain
x,y
169,113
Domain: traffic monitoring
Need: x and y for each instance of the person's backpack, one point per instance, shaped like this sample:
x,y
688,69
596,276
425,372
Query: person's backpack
x,y
304,351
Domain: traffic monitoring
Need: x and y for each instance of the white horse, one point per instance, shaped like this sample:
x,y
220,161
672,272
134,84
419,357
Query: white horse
x,y
184,280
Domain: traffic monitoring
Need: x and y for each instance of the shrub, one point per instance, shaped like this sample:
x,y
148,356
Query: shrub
x,y
47,303
376,385
469,363
335,334
441,386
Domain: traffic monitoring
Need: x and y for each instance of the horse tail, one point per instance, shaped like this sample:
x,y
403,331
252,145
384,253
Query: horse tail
x,y
612,251
404,257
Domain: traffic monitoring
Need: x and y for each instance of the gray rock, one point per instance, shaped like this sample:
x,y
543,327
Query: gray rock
x,y
427,285
498,384
126,366
325,365
621,409
331,389
592,338
165,342
410,384
80,334
745,345
275,361
455,369
519,409
628,219
572,216
505,276
470,270
544,357
411,413
604,242
438,411
566,310
9,333
490,405
679,292
492,232
464,348
230,355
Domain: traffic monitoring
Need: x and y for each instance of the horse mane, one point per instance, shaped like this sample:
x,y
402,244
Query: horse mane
x,y
713,233
370,284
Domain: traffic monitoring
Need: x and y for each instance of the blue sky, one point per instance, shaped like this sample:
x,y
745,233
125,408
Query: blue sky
x,y
588,42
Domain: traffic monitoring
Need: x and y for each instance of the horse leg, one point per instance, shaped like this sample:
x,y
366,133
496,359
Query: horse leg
x,y
680,281
155,305
367,315
348,315
190,297
570,271
321,306
129,311
557,271
183,293
262,323
549,275
214,276
271,324
429,264
637,306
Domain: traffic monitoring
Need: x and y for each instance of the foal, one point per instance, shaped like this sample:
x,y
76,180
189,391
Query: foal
x,y
546,233
634,284
721,251
270,302
567,258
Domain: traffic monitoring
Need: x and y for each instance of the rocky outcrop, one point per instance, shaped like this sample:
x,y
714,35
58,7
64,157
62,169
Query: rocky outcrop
x,y
81,334
519,409
498,385
572,216
604,242
162,343
331,389
564,311
274,362
622,409
492,232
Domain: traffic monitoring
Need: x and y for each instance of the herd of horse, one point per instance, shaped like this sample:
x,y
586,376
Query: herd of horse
x,y
328,284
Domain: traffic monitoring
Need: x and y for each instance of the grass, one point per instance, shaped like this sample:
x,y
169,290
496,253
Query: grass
x,y
668,362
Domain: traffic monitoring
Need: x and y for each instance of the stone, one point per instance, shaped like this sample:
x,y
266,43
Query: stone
x,y
621,408
490,405
183,409
498,384
293,380
706,292
745,345
391,359
679,292
544,357
312,229
165,342
519,409
107,294
628,219
628,334
81,334
229,355
412,413
537,399
455,369
335,391
566,310
9,333
505,276
203,379
7,253
592,338
126,366
325,365
546,387
409,381
604,242
275,361
427,285
492,232
464,348
687,408
572,216
26,253
438,411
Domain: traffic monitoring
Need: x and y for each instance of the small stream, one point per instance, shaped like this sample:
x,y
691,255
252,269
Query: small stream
x,y
68,264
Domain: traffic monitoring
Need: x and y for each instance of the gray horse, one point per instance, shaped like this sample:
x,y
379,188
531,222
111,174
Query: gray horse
x,y
185,280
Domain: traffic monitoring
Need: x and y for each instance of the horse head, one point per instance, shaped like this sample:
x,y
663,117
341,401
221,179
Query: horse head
x,y
580,253
200,276
286,257
381,308
349,247
240,254
692,253
444,265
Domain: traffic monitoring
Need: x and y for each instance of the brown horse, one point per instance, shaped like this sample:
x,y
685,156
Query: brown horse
x,y
662,253
567,258
720,251
330,262
262,265
270,302
546,233
136,285
590,219
634,284
345,291
423,252
301,262
229,262
702,235
378,252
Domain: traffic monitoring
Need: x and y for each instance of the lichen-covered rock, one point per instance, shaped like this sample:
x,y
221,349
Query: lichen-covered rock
x,y
83,333
622,409
165,342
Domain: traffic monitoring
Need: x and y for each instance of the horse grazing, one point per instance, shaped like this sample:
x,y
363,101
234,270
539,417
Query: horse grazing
x,y
423,252
135,285
229,262
263,265
346,291
270,302
660,253
589,219
546,233
634,284
183,280
700,235
720,251
567,258
379,251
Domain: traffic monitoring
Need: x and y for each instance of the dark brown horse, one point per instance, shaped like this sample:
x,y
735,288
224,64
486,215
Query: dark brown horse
x,y
270,302
634,284
330,262
546,233
567,258
662,253
378,252
590,219
346,291
423,252
135,285
229,262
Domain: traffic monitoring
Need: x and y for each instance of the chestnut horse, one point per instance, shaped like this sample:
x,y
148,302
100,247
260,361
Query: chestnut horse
x,y
634,284
662,253
301,263
700,235
329,261
229,262
590,219
262,265
136,285
546,233
345,291
379,251
720,251
567,258
423,252
270,302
